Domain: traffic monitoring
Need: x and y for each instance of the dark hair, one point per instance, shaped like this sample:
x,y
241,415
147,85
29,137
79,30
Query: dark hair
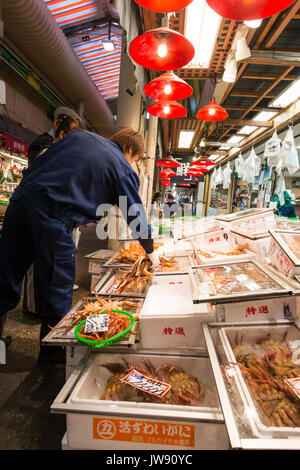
x,y
66,124
130,141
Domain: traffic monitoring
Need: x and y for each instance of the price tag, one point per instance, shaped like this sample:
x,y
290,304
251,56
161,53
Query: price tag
x,y
294,384
146,384
97,324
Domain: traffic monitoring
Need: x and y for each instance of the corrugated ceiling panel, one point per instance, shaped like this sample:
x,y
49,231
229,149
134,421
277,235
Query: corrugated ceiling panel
x,y
102,66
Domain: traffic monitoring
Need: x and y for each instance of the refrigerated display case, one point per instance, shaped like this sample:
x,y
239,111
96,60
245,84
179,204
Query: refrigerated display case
x,y
255,375
284,251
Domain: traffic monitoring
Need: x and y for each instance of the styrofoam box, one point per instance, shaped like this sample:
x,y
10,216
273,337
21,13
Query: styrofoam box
x,y
260,246
102,423
169,318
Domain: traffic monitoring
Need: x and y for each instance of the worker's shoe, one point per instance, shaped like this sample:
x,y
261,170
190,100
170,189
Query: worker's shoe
x,y
7,339
52,355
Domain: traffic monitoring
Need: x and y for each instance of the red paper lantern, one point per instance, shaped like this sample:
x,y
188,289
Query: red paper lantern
x,y
183,184
164,6
165,183
241,10
166,173
169,87
161,49
212,112
168,161
167,109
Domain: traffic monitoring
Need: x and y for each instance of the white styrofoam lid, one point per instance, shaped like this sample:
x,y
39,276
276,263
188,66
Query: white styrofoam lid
x,y
171,296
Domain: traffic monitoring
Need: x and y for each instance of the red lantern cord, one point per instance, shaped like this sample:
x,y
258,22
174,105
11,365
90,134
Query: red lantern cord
x,y
164,6
169,87
161,49
212,112
241,10
167,109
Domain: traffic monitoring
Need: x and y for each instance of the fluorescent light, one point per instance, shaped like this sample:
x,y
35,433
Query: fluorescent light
x,y
108,45
224,147
202,26
185,139
235,139
264,116
214,157
247,130
289,95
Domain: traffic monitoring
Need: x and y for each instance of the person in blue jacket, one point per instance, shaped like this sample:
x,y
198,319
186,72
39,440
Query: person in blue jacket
x,y
62,190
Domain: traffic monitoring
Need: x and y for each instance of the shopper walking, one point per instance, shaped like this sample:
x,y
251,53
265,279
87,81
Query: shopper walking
x,y
59,192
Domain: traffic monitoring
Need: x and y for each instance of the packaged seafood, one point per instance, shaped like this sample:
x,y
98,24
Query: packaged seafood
x,y
110,283
284,251
263,360
236,281
169,318
173,406
247,218
63,333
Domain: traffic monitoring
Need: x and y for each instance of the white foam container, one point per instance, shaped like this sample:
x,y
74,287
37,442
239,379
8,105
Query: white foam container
x,y
169,306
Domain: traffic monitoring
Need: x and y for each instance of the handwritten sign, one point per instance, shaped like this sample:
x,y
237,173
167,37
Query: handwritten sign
x,y
146,384
97,324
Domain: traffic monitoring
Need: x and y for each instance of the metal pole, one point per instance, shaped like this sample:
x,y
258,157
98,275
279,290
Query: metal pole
x,y
151,150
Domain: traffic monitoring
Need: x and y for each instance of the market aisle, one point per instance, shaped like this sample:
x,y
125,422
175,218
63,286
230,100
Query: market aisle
x,y
27,390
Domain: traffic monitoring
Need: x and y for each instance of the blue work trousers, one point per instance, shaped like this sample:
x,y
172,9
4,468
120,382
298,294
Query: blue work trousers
x,y
31,235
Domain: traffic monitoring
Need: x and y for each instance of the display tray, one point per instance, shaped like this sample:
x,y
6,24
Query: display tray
x,y
108,284
100,256
286,224
268,351
235,281
289,241
192,390
255,235
202,256
65,332
183,263
242,214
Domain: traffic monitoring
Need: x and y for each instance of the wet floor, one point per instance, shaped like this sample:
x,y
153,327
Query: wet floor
x,y
27,389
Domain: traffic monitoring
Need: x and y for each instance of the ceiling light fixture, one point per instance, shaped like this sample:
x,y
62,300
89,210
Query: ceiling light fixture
x,y
201,28
168,162
241,10
287,96
167,173
185,139
108,45
167,109
164,6
212,112
168,86
161,49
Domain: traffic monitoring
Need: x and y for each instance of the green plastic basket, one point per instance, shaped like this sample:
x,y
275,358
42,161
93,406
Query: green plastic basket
x,y
105,342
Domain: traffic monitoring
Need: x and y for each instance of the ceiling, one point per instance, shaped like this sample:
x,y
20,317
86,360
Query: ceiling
x,y
260,78
86,23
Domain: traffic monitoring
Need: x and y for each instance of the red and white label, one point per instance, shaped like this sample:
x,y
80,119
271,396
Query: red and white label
x,y
146,384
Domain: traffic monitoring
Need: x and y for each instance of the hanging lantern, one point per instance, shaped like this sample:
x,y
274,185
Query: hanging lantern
x,y
199,168
168,161
240,10
204,161
167,173
184,184
167,109
169,87
165,183
161,49
212,112
164,6
194,173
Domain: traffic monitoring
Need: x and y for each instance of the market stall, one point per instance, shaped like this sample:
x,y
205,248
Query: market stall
x,y
155,387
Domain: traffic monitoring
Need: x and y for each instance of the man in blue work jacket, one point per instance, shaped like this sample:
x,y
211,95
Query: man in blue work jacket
x,y
62,190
